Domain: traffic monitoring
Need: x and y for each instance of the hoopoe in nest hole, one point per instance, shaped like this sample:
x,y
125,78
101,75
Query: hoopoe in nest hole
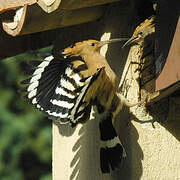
x,y
66,87
142,31
144,36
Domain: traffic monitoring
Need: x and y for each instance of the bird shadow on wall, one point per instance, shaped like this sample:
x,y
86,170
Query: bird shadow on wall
x,y
86,162
166,112
129,138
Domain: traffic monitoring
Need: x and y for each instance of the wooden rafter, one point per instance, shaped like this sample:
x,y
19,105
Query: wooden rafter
x,y
51,5
30,16
6,5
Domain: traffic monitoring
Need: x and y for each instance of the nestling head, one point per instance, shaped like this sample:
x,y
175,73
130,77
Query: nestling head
x,y
141,32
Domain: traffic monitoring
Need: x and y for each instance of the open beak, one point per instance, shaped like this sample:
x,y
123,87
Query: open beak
x,y
130,41
102,43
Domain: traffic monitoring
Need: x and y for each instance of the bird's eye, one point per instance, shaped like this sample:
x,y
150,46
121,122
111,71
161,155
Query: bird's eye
x,y
93,44
140,33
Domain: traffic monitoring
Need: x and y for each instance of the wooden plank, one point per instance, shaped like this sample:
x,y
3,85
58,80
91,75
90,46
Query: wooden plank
x,y
11,46
77,4
6,5
52,5
24,20
33,19
158,95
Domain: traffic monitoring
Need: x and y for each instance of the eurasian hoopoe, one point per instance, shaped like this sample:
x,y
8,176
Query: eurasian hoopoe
x,y
144,36
142,31
66,87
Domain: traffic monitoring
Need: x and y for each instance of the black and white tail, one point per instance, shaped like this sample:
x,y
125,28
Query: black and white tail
x,y
111,151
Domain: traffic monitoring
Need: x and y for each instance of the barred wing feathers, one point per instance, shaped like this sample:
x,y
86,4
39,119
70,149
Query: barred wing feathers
x,y
82,108
59,90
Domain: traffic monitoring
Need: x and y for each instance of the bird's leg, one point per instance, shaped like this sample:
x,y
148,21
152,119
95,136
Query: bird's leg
x,y
124,102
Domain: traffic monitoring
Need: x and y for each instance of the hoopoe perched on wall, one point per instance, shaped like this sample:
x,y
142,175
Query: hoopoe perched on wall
x,y
66,87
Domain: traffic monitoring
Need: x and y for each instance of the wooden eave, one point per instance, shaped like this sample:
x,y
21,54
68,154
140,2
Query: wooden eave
x,y
31,17
7,5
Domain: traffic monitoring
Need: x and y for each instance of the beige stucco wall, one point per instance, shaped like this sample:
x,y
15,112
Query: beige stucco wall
x,y
152,153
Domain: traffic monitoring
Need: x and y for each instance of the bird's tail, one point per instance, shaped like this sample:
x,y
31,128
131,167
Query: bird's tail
x,y
111,151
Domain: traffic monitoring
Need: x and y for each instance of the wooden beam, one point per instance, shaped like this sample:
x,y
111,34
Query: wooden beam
x,y
11,46
52,5
6,5
158,95
31,19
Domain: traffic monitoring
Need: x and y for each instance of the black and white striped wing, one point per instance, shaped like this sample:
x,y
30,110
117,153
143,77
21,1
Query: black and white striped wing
x,y
82,108
57,89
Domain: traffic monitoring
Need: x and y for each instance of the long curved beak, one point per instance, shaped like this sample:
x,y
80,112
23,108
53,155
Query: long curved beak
x,y
130,41
102,43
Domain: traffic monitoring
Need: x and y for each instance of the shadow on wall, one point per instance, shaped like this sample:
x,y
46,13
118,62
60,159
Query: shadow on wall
x,y
172,123
129,138
166,112
86,162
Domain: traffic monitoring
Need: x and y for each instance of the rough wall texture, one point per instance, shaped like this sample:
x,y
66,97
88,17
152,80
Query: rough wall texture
x,y
152,153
